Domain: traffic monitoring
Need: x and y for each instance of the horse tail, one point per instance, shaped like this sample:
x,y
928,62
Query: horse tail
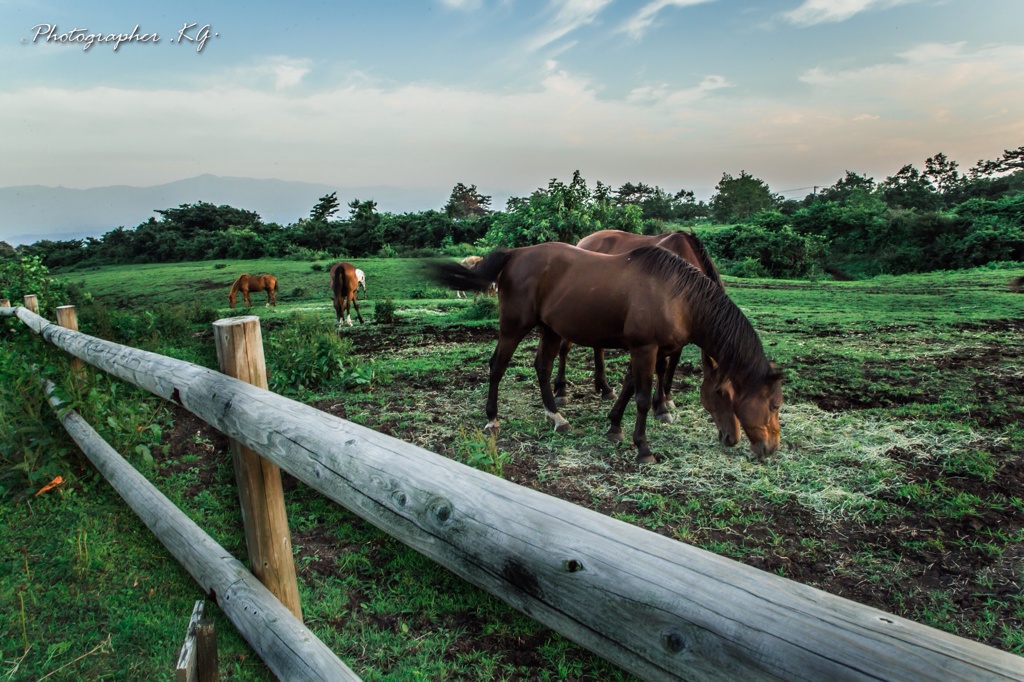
x,y
1017,283
339,282
478,278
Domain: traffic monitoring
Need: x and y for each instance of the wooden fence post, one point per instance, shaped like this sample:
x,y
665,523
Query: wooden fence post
x,y
68,318
32,303
240,355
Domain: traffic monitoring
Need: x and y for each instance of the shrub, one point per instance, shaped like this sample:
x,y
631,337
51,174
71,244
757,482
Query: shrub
x,y
385,312
306,354
484,308
780,252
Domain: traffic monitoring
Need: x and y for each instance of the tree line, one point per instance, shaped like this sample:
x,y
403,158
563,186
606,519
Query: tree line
x,y
913,221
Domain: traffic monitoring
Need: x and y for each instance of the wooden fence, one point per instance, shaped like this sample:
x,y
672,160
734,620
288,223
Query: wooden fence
x,y
654,606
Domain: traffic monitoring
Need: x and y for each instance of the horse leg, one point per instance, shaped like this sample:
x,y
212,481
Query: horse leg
x,y
670,373
355,304
642,366
661,412
600,377
246,298
546,351
614,432
563,354
507,344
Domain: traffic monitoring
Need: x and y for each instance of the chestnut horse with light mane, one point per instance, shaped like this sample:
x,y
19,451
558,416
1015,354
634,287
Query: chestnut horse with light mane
x,y
687,246
345,288
648,302
250,283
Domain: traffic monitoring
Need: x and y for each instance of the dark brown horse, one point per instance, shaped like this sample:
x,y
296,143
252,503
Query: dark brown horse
x,y
649,302
250,283
345,287
687,246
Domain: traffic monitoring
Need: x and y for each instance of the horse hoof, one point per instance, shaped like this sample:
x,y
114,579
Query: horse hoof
x,y
646,459
492,429
561,400
608,395
562,427
664,418
671,404
614,434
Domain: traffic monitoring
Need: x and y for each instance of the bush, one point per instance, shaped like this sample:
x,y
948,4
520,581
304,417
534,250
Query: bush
x,y
385,312
484,308
307,354
779,252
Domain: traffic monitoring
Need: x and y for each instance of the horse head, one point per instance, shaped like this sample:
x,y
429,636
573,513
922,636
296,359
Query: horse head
x,y
757,409
718,403
231,299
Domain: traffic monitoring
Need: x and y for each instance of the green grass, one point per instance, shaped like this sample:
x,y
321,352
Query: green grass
x,y
900,429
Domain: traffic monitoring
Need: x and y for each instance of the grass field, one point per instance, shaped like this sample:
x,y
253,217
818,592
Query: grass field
x,y
899,483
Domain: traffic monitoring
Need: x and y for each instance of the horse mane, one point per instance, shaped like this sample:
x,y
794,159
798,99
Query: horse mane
x,y
707,265
237,284
733,342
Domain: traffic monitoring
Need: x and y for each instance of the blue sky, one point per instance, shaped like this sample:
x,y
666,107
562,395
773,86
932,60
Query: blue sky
x,y
506,94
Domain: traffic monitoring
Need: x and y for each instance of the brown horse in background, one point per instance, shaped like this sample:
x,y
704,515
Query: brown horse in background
x,y
250,283
649,302
345,287
687,246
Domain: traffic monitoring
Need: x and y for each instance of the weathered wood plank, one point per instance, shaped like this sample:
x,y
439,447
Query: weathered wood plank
x,y
288,648
186,670
239,343
654,606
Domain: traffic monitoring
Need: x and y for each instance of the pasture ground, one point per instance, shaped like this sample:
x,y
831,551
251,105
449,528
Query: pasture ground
x,y
899,484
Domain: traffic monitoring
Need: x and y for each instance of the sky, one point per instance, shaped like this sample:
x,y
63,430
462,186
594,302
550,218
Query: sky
x,y
505,94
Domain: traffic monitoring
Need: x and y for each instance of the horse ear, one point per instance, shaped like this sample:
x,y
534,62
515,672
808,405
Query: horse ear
x,y
725,389
709,361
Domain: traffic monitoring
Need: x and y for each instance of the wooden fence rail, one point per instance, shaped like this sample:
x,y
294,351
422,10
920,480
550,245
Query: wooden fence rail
x,y
652,605
288,648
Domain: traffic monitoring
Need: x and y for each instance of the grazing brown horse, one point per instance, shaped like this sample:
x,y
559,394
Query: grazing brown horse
x,y
649,302
250,283
1017,284
687,246
345,287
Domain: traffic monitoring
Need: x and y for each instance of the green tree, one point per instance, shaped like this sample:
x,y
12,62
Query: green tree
x,y
847,186
325,208
909,188
467,202
738,199
362,236
943,173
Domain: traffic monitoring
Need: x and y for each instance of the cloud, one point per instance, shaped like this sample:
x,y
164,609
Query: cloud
x,y
638,24
280,73
824,11
938,97
664,95
461,4
568,16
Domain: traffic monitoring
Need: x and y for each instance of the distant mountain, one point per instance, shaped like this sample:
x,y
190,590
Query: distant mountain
x,y
33,212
